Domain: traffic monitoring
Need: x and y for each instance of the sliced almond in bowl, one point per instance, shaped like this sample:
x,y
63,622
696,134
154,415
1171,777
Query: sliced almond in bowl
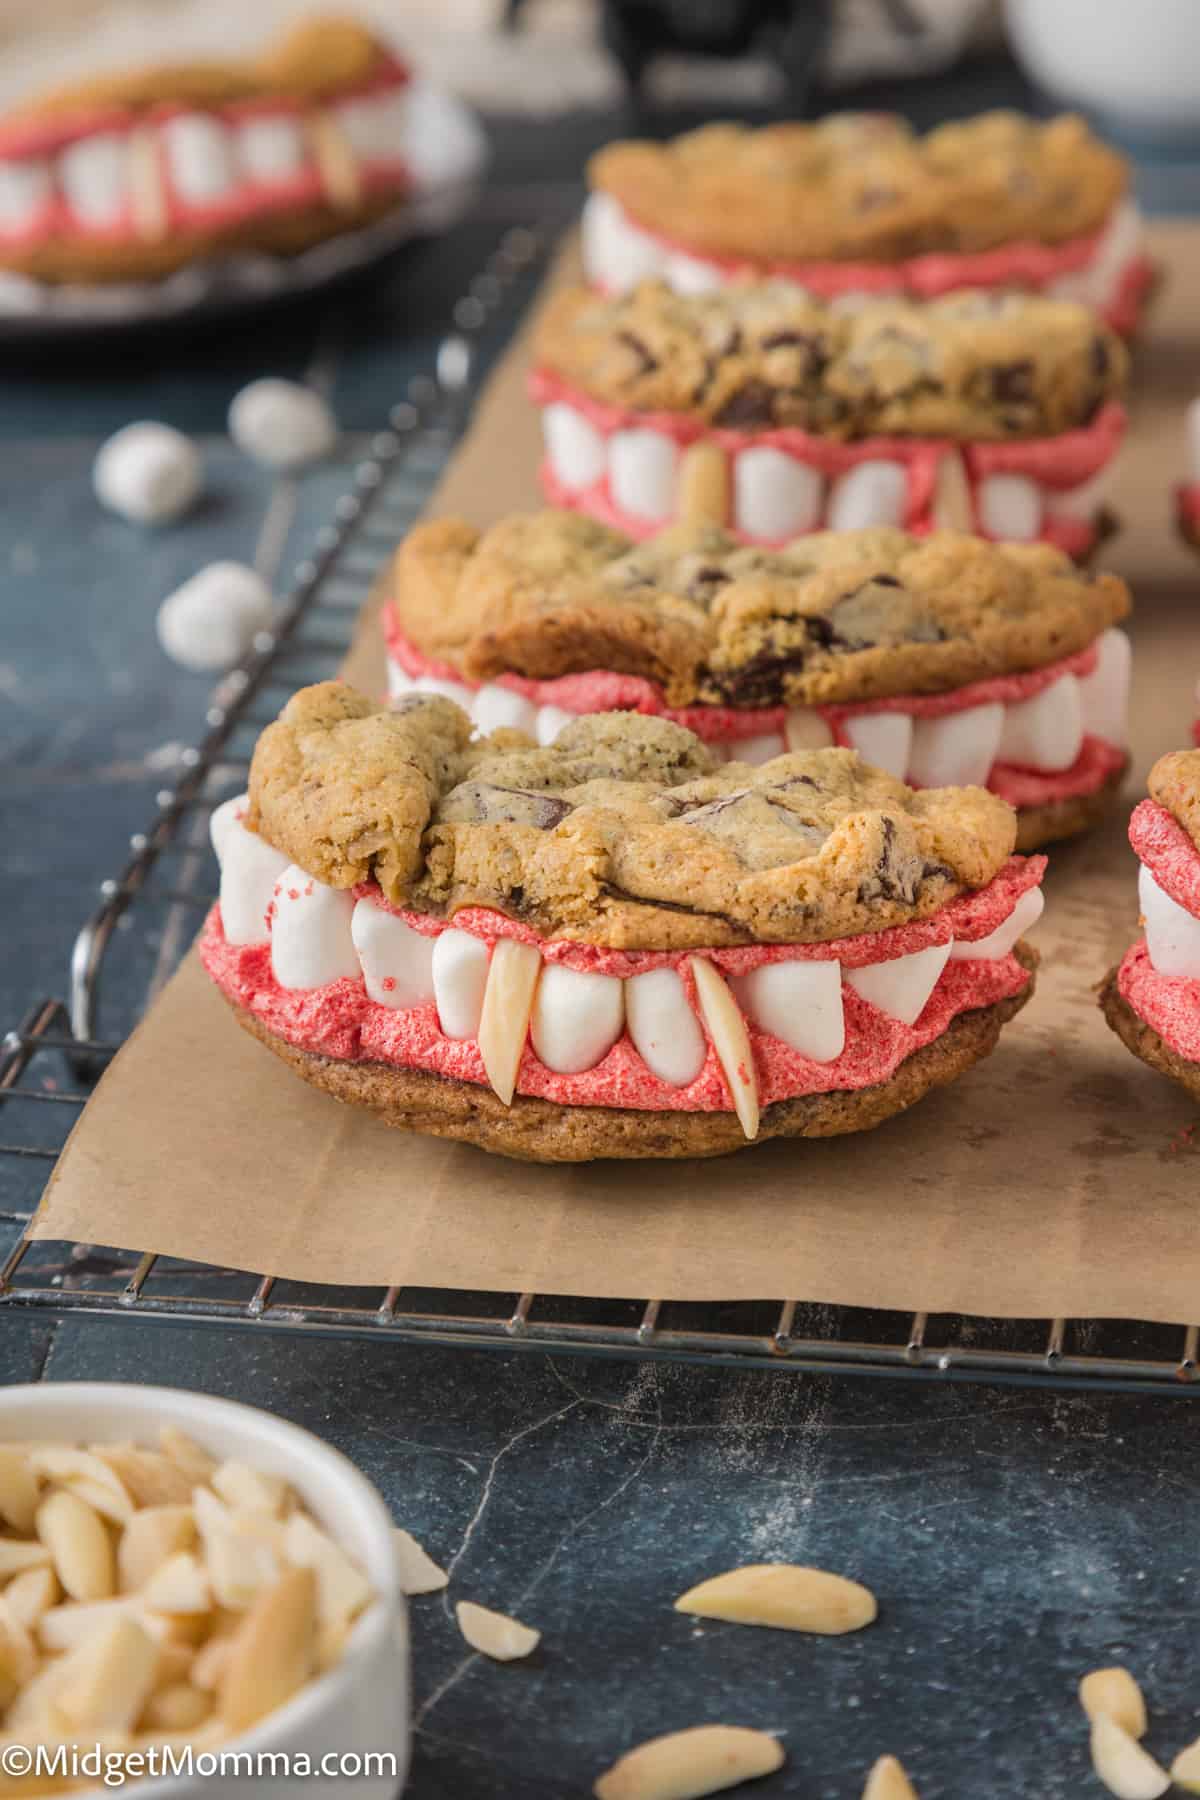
x,y
495,1634
1116,1693
685,1765
272,1653
1127,1771
80,1547
787,1596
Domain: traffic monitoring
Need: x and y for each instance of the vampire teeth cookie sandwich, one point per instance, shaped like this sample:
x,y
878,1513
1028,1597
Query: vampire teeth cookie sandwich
x,y
129,177
1152,998
943,660
774,414
615,946
858,205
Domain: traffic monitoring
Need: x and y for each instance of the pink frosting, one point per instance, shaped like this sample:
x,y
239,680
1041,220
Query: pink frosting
x,y
1170,1004
1160,841
340,1021
1187,502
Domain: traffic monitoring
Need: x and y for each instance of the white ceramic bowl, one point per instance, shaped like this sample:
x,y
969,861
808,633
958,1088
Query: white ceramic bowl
x,y
362,1703
1138,65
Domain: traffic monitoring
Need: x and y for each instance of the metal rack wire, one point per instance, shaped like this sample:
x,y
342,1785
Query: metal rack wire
x,y
148,913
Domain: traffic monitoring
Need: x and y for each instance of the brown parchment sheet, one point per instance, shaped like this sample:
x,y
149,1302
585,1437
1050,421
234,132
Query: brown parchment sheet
x,y
1054,1179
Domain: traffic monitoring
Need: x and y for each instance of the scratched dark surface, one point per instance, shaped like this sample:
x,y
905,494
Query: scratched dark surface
x,y
1015,1537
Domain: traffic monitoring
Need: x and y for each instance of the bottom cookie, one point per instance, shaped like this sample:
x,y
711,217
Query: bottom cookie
x,y
534,1130
1038,826
1142,1039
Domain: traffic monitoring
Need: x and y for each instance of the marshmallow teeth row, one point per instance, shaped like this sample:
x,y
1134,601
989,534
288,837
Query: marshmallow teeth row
x,y
617,254
194,161
776,496
1172,933
500,999
959,749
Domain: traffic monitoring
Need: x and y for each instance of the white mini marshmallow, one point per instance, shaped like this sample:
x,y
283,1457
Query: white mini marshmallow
x,y
397,962
311,939
664,1030
883,739
399,681
642,472
460,972
148,473
282,424
871,493
250,867
1120,243
551,720
25,192
616,255
956,750
901,986
757,750
1104,694
1172,933
212,620
231,812
574,448
775,495
805,729
1023,917
449,690
1083,501
497,706
688,275
93,174
375,126
1009,507
270,149
798,1002
200,157
1045,732
577,1018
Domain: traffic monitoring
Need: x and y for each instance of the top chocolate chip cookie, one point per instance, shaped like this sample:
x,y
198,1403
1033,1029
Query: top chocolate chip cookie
x,y
625,833
834,616
864,187
979,365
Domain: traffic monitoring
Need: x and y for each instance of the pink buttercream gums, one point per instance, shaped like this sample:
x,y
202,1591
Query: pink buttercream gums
x,y
1169,1004
1160,842
339,1020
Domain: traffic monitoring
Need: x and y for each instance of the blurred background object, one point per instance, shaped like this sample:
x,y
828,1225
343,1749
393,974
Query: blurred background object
x,y
1136,67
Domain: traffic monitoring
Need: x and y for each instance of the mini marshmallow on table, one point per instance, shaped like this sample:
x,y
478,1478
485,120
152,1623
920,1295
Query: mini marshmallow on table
x,y
212,620
148,473
282,424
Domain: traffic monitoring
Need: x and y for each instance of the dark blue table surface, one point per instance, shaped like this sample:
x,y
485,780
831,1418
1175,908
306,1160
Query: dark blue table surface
x,y
1015,1537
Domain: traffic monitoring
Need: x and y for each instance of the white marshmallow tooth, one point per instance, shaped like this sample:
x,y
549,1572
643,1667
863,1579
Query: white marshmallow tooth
x,y
1104,694
727,1032
550,721
805,729
901,986
663,1028
1172,933
1045,732
1010,508
689,275
1120,242
460,971
224,819
643,470
311,939
375,126
497,708
26,190
250,868
397,962
616,255
956,750
93,175
1023,917
574,448
872,493
270,149
883,739
799,1003
399,681
200,157
449,690
776,496
577,1018
507,1005
757,750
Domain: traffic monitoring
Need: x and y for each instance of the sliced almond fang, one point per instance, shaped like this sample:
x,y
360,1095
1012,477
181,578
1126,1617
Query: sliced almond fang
x,y
1115,1692
419,1574
703,485
1126,1770
507,1006
147,198
495,1634
888,1781
335,160
727,1029
787,1596
952,508
687,1764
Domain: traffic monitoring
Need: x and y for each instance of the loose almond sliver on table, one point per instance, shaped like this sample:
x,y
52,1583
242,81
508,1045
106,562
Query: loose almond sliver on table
x,y
685,1765
1126,1770
495,1634
787,1596
1185,1770
888,1781
1115,1692
419,1574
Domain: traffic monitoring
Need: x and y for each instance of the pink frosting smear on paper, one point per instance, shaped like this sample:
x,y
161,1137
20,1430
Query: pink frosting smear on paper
x,y
340,1021
1169,1004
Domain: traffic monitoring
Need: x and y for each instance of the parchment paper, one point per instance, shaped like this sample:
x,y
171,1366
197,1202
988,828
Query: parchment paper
x,y
1056,1178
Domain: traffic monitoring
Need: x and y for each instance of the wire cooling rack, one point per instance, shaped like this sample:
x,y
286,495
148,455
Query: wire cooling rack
x,y
148,914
